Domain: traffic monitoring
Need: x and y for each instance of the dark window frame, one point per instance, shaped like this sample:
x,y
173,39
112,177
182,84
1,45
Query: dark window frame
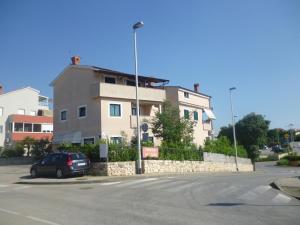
x,y
113,112
186,114
79,111
110,80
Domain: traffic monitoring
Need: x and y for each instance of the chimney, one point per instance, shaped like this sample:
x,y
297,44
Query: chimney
x,y
1,89
196,87
75,60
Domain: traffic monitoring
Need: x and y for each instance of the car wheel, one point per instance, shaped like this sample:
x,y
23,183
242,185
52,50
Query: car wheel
x,y
59,173
33,173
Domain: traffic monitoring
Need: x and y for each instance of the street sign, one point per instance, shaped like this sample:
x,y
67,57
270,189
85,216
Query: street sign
x,y
145,127
150,152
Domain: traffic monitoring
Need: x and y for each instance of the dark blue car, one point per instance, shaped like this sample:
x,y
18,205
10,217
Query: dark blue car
x,y
61,165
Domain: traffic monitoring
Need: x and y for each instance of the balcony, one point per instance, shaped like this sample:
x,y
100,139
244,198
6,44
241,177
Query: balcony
x,y
207,125
43,102
127,92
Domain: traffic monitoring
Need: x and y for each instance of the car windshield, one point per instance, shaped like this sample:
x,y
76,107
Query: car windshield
x,y
77,156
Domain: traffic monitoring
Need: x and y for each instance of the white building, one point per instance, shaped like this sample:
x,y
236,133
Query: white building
x,y
24,101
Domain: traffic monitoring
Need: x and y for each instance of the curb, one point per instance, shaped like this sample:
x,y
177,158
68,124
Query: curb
x,y
276,185
61,182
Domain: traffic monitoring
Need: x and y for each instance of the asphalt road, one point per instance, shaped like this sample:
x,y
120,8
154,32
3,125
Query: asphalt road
x,y
200,199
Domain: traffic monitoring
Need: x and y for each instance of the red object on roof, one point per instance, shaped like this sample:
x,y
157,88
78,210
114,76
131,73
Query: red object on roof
x,y
31,119
37,136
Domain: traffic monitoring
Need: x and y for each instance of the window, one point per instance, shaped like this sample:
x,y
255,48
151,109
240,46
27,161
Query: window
x,y
37,128
27,127
116,140
110,80
21,111
1,129
63,115
1,111
115,110
82,111
195,115
186,95
186,114
133,111
19,127
88,141
130,82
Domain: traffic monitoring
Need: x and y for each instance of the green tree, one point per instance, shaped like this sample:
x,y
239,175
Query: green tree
x,y
226,132
251,132
40,148
169,126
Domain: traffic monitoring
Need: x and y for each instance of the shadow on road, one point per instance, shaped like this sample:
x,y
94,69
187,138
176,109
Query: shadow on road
x,y
230,204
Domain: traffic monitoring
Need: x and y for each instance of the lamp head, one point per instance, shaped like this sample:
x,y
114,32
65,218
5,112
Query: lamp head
x,y
232,88
138,25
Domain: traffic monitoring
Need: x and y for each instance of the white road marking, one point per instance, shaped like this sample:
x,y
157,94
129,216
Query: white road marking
x,y
41,220
110,183
136,182
22,187
262,189
250,195
142,185
3,191
3,185
166,186
281,198
9,211
227,190
181,187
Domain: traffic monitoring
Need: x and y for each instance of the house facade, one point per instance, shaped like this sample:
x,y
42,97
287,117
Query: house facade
x,y
23,113
92,103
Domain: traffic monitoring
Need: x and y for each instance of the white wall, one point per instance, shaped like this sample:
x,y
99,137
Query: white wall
x,y
26,99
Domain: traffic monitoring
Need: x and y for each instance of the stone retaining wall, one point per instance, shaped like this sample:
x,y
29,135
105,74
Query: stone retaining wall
x,y
215,157
169,166
113,168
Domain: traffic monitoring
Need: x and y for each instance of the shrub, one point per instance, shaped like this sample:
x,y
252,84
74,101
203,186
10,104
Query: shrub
x,y
118,153
91,151
268,158
180,152
283,162
18,151
222,146
292,157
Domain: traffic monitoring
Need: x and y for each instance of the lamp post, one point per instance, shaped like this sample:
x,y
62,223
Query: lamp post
x,y
135,27
233,126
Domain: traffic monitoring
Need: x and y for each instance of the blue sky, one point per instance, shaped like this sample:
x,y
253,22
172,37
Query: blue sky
x,y
252,45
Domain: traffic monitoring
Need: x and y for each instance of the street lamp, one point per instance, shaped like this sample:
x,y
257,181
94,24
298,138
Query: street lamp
x,y
233,127
135,27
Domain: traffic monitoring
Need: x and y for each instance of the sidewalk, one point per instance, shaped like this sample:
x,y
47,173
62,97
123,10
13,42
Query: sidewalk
x,y
290,185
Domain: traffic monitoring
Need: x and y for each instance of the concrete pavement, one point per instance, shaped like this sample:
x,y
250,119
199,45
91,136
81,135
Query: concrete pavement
x,y
289,185
197,199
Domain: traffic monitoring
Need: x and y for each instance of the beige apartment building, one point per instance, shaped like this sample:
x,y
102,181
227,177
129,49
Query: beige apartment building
x,y
92,103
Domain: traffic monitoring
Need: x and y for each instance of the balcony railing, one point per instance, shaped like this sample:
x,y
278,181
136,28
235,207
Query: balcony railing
x,y
127,92
207,125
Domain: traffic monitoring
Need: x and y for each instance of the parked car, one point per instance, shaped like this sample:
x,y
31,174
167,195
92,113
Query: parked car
x,y
277,149
60,165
